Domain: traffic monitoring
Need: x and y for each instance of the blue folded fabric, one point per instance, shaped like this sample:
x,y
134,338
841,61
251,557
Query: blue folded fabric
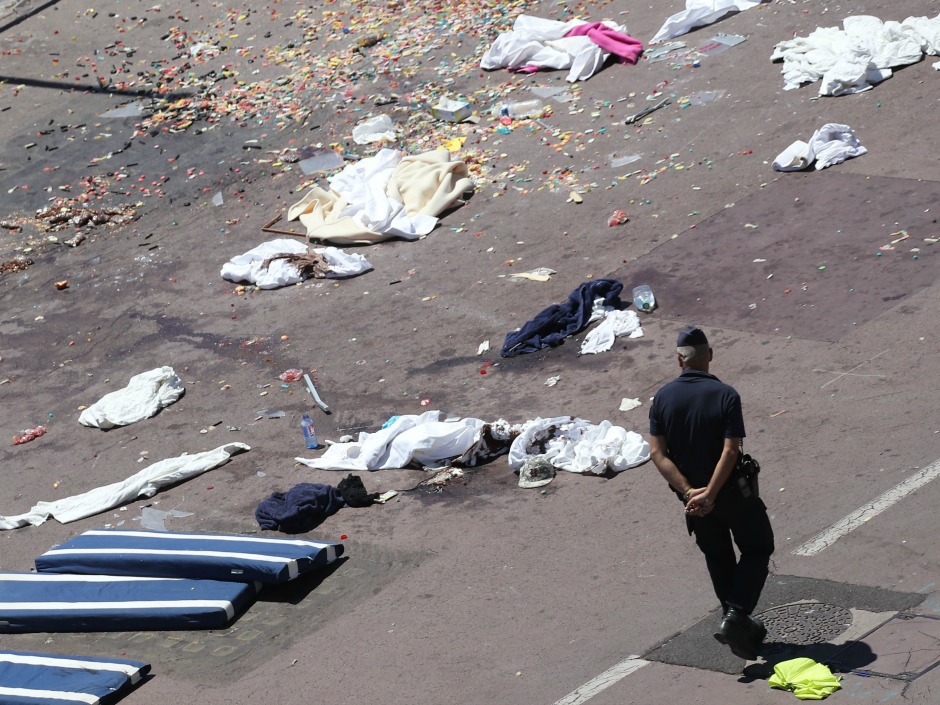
x,y
302,508
558,321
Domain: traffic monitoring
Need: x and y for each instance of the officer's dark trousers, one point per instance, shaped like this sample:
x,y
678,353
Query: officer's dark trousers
x,y
738,582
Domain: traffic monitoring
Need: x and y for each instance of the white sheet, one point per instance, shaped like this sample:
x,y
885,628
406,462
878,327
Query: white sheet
x,y
144,395
699,13
858,56
145,483
535,41
363,185
577,445
425,439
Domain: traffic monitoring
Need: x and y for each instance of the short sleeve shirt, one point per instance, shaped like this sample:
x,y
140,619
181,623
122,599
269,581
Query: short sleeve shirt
x,y
695,413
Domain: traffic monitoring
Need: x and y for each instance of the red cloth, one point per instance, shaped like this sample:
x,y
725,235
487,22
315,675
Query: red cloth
x,y
624,47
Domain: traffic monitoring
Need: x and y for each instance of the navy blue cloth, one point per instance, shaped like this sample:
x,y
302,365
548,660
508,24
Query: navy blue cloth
x,y
302,508
558,321
695,413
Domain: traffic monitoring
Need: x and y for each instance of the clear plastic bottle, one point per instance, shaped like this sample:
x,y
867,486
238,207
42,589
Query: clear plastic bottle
x,y
310,433
525,109
643,298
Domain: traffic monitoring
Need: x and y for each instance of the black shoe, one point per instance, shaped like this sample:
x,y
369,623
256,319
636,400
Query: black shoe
x,y
738,632
760,631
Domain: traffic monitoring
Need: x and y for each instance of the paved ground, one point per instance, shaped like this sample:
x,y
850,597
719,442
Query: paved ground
x,y
480,592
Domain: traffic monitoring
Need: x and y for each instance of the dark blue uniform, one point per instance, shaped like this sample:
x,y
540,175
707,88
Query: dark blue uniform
x,y
695,413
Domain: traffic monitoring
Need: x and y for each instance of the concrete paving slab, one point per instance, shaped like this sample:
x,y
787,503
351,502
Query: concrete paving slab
x,y
905,647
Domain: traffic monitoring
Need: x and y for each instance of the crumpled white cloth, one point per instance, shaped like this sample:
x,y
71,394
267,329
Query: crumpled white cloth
x,y
853,59
145,483
144,395
535,41
699,13
247,267
577,445
615,324
830,144
426,439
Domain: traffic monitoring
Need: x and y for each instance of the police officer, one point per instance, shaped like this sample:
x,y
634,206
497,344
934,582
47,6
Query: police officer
x,y
696,427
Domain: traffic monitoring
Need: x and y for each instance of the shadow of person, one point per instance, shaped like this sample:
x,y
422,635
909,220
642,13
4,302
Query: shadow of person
x,y
841,658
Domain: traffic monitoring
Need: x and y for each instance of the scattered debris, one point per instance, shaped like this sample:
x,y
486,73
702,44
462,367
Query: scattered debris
x,y
17,264
29,435
539,274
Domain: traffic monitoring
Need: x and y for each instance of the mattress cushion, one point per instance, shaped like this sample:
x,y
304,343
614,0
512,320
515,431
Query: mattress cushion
x,y
47,602
180,555
31,678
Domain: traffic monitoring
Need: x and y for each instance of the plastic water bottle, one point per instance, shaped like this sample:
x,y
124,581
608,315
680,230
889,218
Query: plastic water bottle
x,y
643,298
310,433
525,109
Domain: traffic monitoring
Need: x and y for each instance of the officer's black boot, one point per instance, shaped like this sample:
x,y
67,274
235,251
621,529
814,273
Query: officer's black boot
x,y
739,633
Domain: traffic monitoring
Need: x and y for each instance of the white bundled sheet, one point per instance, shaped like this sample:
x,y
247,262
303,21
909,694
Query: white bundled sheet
x,y
145,483
861,54
577,445
249,267
426,439
144,395
535,41
699,13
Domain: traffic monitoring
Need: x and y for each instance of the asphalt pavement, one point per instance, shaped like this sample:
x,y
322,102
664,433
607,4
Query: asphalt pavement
x,y
477,591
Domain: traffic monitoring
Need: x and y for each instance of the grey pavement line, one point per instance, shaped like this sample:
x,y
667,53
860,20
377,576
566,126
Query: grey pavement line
x,y
861,515
851,372
603,681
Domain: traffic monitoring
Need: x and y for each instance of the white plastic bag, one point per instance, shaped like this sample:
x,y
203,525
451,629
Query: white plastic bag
x,y
374,129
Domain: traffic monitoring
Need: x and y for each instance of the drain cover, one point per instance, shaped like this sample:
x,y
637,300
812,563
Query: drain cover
x,y
805,623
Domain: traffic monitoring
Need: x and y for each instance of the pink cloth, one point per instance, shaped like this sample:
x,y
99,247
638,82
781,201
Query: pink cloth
x,y
626,48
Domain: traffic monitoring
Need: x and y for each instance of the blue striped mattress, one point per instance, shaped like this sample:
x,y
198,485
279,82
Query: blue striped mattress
x,y
30,679
198,556
46,602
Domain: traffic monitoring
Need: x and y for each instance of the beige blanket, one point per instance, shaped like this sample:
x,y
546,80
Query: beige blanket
x,y
382,197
